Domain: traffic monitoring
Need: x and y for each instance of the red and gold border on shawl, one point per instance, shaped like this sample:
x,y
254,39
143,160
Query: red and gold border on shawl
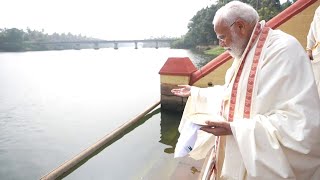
x,y
253,72
235,86
233,98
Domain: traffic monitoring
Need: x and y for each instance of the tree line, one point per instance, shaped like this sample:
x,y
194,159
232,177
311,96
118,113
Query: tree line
x,y
14,39
200,28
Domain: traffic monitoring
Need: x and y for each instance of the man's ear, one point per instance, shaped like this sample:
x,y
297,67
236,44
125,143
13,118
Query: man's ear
x,y
242,26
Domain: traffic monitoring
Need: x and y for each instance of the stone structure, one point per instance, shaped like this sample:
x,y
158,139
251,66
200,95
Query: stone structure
x,y
174,72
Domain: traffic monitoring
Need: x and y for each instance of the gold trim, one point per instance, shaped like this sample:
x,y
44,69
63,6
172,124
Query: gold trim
x,y
314,47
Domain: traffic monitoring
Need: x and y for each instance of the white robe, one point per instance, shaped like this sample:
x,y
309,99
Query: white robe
x,y
313,43
281,139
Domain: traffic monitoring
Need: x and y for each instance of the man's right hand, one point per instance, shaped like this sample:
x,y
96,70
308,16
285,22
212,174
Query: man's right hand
x,y
184,91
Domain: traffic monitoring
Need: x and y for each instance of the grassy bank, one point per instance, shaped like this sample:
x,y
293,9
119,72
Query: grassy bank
x,y
215,51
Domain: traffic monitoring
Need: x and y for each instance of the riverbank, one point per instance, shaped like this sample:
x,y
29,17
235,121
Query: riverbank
x,y
212,50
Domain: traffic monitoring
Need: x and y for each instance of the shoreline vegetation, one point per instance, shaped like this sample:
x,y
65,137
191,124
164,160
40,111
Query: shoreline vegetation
x,y
213,50
19,40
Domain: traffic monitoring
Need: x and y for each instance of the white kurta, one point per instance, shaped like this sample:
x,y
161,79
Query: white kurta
x,y
281,139
313,43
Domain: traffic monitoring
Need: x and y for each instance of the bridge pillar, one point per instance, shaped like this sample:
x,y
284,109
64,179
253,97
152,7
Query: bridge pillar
x,y
115,45
76,46
157,44
96,46
136,45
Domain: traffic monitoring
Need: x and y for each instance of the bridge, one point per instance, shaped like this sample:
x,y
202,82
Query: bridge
x,y
97,43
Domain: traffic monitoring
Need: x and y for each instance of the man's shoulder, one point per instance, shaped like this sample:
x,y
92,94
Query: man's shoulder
x,y
280,39
284,45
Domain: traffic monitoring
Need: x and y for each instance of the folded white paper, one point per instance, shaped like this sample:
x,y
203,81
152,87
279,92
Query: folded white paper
x,y
187,139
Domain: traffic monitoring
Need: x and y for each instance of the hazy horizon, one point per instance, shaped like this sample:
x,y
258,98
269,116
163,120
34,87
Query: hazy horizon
x,y
121,19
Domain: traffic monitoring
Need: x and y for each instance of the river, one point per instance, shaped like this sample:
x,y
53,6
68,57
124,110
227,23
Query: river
x,y
54,104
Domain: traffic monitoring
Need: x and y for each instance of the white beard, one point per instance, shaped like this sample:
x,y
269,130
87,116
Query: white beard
x,y
236,49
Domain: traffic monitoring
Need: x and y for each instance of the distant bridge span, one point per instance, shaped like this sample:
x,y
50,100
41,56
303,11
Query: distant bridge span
x,y
97,42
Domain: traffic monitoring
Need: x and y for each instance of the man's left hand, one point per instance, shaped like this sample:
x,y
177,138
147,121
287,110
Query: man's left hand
x,y
218,128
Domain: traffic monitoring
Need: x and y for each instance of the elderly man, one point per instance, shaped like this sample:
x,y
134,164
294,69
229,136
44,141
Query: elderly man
x,y
313,46
269,102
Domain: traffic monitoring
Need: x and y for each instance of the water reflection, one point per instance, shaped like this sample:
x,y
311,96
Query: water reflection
x,y
115,139
153,137
169,129
199,59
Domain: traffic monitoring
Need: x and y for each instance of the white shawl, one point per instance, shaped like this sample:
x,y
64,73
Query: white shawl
x,y
313,43
281,139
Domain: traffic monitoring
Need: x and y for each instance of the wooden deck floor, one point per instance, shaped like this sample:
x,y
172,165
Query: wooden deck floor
x,y
187,169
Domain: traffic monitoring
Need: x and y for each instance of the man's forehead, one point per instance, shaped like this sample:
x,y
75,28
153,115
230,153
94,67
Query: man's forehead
x,y
220,27
220,23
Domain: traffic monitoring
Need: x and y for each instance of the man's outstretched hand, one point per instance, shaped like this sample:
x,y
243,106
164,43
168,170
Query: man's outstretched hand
x,y
218,128
184,91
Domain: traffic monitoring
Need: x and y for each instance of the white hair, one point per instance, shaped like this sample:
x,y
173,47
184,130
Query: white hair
x,y
234,10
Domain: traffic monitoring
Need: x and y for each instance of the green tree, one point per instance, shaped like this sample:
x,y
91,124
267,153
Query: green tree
x,y
287,4
200,29
13,35
19,40
268,9
11,39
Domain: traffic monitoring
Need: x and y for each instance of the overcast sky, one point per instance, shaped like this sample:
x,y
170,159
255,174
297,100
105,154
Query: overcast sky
x,y
105,19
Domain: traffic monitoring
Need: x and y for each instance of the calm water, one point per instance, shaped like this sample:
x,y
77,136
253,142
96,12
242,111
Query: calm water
x,y
55,104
